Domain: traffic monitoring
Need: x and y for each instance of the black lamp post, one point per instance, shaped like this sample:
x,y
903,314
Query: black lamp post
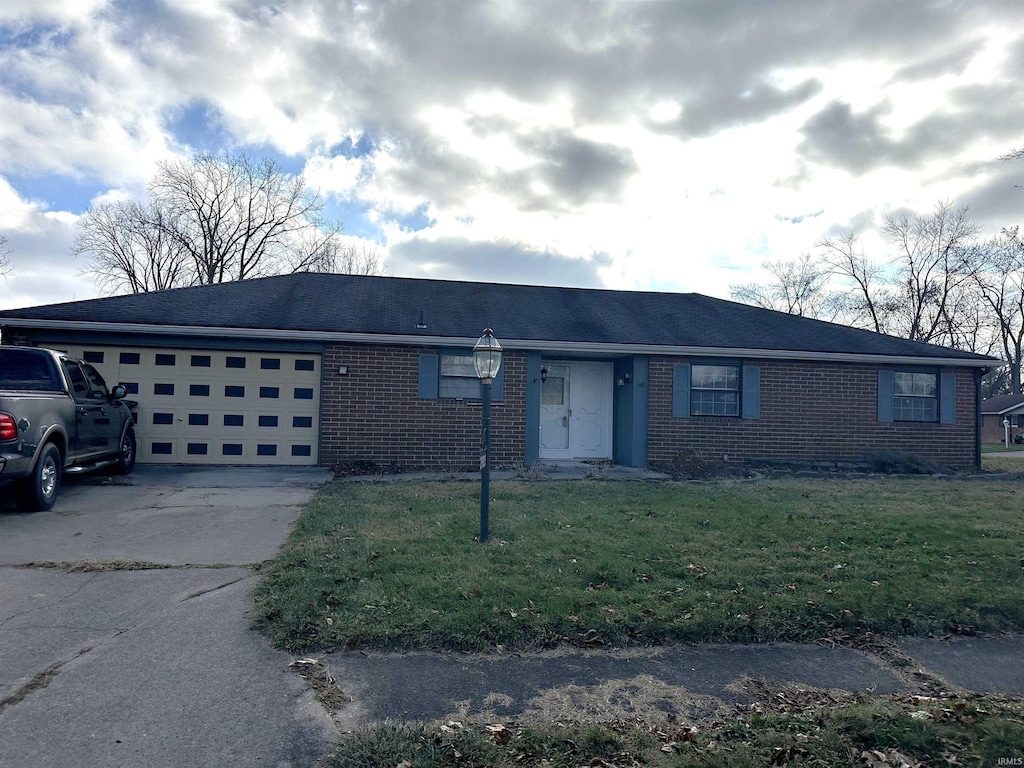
x,y
487,362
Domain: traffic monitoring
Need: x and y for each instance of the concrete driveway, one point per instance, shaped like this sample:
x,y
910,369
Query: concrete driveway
x,y
147,665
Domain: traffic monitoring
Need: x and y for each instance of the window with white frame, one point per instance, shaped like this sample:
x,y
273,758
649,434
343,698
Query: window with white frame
x,y
915,396
714,390
458,377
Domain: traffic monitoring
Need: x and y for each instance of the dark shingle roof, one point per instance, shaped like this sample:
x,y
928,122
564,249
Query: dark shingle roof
x,y
392,305
1001,403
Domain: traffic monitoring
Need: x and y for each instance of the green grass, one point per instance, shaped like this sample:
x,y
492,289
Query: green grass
x,y
997,447
394,565
870,731
1002,463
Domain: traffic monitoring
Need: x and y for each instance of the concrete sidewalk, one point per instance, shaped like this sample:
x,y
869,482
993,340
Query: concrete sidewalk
x,y
684,681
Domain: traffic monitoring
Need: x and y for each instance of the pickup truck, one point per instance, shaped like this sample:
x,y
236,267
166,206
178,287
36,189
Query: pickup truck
x,y
57,416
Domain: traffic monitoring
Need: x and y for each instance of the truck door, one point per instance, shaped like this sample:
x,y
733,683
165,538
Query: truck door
x,y
95,418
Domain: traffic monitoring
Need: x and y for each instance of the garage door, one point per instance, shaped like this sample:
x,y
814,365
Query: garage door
x,y
201,406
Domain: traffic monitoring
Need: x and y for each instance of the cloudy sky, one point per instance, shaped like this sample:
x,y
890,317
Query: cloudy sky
x,y
648,146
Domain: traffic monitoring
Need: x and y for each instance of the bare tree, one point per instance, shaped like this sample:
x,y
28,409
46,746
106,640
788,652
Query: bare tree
x,y
130,248
212,219
323,249
235,215
797,287
870,304
923,292
5,252
998,273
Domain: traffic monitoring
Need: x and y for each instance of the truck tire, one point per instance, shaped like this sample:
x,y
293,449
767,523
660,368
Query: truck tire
x,y
38,492
126,455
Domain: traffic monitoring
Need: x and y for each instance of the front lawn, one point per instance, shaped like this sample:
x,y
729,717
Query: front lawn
x,y
394,565
861,730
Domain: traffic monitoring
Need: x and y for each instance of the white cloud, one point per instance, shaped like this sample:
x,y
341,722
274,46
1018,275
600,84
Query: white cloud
x,y
682,143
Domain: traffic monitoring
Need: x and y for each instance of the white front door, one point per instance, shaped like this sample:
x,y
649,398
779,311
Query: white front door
x,y
576,411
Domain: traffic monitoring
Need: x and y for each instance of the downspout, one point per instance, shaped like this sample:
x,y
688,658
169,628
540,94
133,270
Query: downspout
x,y
978,373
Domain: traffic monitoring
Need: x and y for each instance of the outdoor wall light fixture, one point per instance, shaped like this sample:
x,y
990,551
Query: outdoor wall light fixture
x,y
543,375
343,370
487,362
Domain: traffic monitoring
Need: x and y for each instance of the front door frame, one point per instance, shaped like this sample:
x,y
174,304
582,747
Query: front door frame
x,y
578,422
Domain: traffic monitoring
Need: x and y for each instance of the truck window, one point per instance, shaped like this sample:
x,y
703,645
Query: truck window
x,y
96,382
25,369
79,386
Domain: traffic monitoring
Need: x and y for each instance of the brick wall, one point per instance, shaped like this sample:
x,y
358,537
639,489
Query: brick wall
x,y
809,412
374,413
15,337
992,428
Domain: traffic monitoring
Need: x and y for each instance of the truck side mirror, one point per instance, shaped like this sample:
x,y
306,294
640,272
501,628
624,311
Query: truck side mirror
x,y
119,391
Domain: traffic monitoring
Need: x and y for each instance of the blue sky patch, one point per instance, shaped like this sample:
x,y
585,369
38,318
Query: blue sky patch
x,y
200,127
361,148
354,217
415,221
59,193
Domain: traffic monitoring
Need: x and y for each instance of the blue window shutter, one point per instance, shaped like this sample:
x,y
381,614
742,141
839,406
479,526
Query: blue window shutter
x,y
498,386
947,397
885,395
533,366
751,392
429,372
681,390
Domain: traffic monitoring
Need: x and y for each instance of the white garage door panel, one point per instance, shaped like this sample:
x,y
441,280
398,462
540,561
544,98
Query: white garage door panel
x,y
200,406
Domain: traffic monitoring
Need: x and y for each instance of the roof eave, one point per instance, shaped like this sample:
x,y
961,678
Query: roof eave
x,y
588,347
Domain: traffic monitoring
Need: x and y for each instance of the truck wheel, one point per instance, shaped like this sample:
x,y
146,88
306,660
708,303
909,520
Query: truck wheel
x,y
126,456
38,492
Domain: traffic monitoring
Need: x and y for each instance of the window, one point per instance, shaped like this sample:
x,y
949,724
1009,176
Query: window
x,y
130,358
235,362
92,356
163,389
714,390
270,363
160,449
268,421
163,418
199,390
200,361
79,385
270,392
451,375
915,396
197,449
231,449
303,393
27,369
1020,422
302,450
302,421
266,450
97,386
131,387
165,359
304,365
199,419
234,420
232,390
458,378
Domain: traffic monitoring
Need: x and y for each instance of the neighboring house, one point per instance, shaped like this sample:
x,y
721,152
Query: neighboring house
x,y
326,369
994,410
